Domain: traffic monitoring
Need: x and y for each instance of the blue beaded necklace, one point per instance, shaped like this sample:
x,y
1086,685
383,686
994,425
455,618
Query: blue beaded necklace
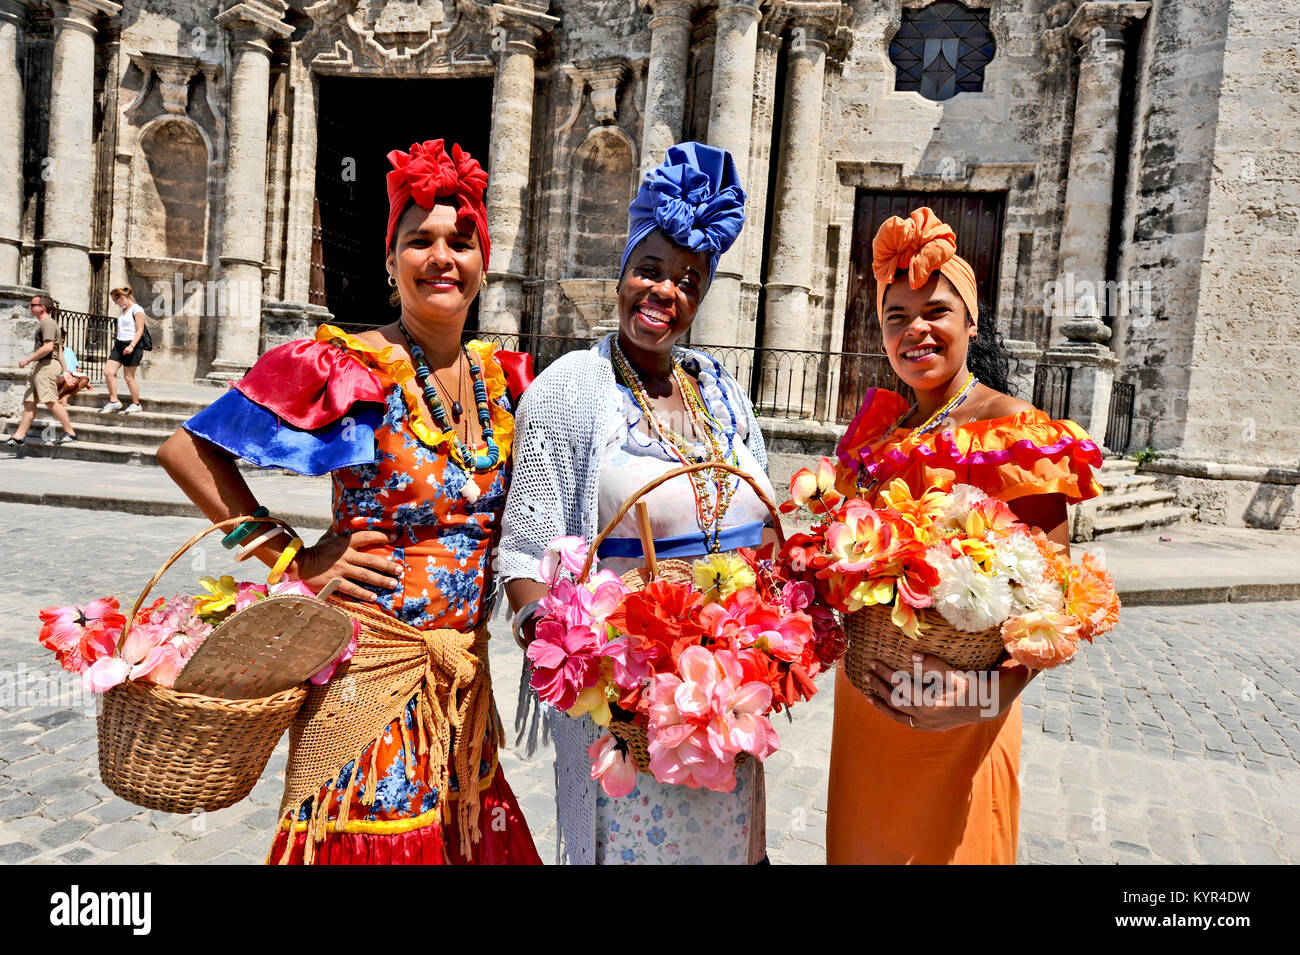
x,y
463,455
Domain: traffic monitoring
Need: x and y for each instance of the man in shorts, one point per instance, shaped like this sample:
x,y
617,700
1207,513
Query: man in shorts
x,y
43,385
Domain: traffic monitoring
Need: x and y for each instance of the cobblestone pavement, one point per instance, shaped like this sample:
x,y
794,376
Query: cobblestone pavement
x,y
1173,740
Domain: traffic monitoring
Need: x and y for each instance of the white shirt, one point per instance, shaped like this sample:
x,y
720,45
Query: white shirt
x,y
126,323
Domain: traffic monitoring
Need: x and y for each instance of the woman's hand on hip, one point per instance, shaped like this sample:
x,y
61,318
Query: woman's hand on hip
x,y
344,556
934,697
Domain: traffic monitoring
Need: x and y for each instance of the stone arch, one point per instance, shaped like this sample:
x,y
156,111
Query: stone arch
x,y
604,179
169,195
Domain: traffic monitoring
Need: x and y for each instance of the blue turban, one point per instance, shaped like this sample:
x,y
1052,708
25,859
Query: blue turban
x,y
694,197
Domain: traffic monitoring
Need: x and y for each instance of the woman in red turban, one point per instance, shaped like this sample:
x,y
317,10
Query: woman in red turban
x,y
394,759
937,782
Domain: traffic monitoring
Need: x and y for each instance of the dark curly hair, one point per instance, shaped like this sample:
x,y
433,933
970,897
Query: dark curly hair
x,y
987,356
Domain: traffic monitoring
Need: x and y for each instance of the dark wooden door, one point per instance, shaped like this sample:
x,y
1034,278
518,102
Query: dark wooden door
x,y
359,120
976,217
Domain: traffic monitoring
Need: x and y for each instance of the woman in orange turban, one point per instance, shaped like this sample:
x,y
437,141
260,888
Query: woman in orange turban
x,y
937,782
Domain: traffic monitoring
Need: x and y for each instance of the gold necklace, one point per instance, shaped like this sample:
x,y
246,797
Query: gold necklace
x,y
709,511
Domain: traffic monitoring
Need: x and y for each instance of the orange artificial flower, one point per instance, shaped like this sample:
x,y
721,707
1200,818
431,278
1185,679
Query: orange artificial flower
x,y
1090,597
921,513
1041,639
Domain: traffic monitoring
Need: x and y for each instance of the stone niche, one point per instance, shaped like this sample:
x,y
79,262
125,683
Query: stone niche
x,y
169,201
604,179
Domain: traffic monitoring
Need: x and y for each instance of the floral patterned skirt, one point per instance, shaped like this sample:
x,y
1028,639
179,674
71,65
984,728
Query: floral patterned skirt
x,y
410,822
658,824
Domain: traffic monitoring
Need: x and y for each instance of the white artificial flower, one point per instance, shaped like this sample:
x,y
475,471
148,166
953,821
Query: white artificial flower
x,y
1019,558
964,497
1043,596
965,597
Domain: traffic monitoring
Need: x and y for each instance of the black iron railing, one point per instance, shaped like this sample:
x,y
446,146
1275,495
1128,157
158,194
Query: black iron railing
x,y
1119,421
1052,389
781,382
91,338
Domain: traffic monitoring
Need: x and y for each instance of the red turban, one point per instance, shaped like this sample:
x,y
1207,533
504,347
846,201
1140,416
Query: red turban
x,y
921,244
427,174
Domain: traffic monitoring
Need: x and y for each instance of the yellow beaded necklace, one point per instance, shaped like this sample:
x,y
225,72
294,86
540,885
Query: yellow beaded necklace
x,y
709,510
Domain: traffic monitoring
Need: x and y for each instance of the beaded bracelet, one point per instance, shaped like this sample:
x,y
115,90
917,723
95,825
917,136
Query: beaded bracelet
x,y
281,565
240,533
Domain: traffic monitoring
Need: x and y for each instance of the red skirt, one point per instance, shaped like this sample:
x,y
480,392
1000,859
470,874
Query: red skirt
x,y
505,839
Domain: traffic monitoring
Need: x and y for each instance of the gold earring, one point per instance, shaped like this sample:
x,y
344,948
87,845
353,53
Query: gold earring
x,y
482,285
392,282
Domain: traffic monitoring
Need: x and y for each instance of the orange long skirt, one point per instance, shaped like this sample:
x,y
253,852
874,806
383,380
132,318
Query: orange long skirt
x,y
904,796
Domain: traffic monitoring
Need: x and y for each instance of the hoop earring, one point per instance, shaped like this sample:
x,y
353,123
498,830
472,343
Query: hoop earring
x,y
392,282
884,350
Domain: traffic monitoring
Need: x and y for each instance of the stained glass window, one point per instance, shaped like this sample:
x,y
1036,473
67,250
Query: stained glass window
x,y
941,50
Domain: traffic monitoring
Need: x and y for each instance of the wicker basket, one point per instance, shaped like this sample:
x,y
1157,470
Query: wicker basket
x,y
178,752
872,635
672,570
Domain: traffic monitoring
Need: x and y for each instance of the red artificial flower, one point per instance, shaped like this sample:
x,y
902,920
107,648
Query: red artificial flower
x,y
661,621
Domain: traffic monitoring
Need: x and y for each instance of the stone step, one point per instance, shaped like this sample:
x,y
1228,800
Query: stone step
x,y
99,446
153,420
165,404
96,433
1118,465
83,450
1124,483
1129,500
1125,523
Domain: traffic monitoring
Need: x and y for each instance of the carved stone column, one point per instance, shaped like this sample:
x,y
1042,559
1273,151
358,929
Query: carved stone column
x,y
787,323
1098,29
67,225
243,246
665,87
515,36
731,113
13,24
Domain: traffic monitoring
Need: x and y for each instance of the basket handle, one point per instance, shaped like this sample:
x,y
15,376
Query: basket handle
x,y
219,526
668,476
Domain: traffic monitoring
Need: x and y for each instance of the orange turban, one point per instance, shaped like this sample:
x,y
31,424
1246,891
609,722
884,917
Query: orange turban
x,y
921,243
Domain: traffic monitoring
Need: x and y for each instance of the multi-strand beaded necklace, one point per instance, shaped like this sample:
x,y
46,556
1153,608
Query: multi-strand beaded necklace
x,y
932,423
460,452
710,509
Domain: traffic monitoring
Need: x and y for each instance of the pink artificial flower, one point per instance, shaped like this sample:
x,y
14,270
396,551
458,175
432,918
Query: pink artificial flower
x,y
702,718
326,673
566,660
249,594
286,587
81,635
633,665
612,765
568,553
104,674
795,596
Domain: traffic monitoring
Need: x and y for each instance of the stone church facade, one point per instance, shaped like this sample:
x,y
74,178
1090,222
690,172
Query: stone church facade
x,y
1123,175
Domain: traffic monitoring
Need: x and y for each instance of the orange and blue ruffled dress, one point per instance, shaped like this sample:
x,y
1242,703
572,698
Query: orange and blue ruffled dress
x,y
390,472
900,795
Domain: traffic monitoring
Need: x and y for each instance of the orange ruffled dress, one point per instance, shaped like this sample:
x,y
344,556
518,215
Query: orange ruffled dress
x,y
899,795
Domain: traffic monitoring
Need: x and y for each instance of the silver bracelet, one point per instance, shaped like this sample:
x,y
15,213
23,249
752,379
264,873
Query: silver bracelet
x,y
521,617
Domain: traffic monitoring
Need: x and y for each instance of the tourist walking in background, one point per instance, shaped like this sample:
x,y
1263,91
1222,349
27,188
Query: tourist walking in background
x,y
43,384
128,350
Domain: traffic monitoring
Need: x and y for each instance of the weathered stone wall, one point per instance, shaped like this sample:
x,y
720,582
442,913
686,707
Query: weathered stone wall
x,y
1243,392
1181,70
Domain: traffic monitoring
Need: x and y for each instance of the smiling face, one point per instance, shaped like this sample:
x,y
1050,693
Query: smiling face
x,y
660,292
437,263
926,332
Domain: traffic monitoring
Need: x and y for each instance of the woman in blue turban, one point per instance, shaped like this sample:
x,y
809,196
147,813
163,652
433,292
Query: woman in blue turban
x,y
595,427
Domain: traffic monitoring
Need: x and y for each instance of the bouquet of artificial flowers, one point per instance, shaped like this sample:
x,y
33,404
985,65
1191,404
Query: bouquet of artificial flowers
x,y
696,666
956,572
162,637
